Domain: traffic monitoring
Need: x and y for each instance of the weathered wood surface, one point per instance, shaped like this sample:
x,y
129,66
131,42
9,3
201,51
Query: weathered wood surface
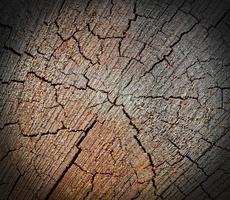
x,y
115,99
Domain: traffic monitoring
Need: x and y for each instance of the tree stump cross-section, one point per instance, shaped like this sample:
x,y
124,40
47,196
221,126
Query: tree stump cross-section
x,y
114,99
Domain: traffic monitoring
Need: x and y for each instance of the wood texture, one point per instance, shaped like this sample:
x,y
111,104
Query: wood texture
x,y
114,99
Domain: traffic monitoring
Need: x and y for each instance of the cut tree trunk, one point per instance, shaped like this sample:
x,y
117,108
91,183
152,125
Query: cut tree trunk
x,y
115,99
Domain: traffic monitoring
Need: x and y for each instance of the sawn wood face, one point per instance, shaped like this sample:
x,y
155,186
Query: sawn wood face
x,y
114,99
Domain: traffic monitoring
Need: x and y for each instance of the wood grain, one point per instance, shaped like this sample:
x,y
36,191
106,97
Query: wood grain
x,y
114,99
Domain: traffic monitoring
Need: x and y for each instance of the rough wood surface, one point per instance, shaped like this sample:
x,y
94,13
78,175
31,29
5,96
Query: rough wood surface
x,y
115,99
